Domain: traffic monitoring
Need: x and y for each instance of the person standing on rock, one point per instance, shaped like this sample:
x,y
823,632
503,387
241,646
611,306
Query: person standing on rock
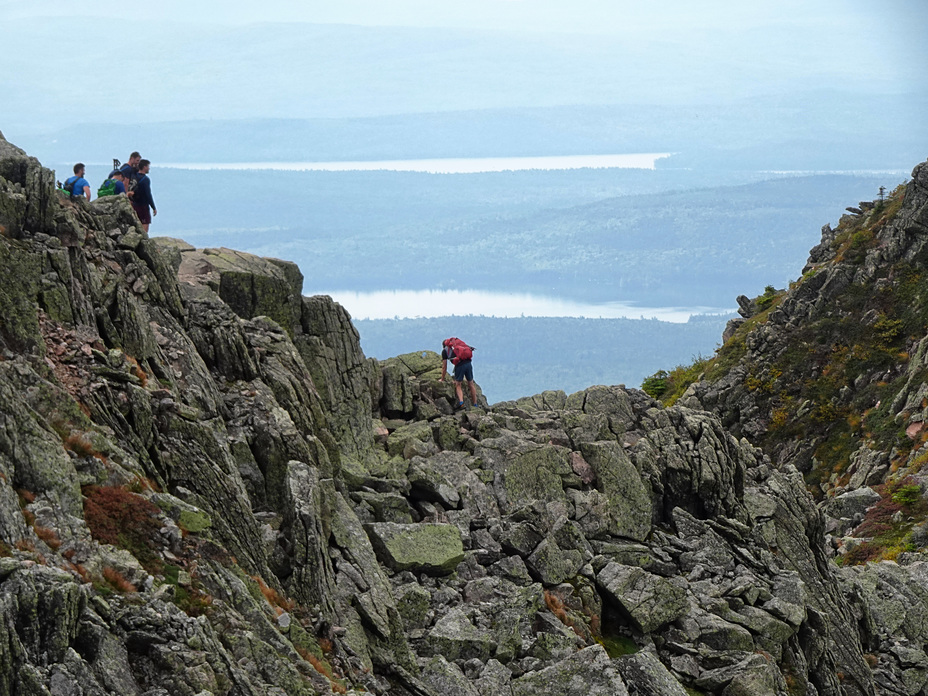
x,y
79,185
120,180
142,199
460,355
130,170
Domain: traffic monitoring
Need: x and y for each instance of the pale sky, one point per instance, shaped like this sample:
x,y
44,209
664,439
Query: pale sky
x,y
599,16
185,59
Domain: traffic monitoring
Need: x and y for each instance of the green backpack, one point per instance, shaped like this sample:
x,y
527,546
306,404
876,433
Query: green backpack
x,y
107,188
68,187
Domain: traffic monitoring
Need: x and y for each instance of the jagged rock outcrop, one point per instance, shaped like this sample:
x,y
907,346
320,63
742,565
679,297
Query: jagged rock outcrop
x,y
205,487
828,376
845,340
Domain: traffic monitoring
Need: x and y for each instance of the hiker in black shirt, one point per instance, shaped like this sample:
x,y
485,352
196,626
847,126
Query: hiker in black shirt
x,y
130,170
142,199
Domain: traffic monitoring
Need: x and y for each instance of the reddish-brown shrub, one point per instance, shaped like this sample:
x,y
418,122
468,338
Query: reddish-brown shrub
x,y
116,516
862,553
555,606
317,664
273,597
118,580
25,545
79,444
879,519
49,536
81,572
137,370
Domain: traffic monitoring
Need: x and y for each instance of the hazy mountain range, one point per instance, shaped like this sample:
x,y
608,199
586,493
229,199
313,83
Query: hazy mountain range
x,y
796,94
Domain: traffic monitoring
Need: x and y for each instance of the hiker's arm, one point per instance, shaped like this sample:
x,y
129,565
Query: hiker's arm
x,y
87,193
145,186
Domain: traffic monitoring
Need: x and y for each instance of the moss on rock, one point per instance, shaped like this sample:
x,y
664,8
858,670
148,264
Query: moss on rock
x,y
435,549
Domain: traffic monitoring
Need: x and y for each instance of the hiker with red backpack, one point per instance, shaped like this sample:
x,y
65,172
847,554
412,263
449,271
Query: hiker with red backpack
x,y
460,355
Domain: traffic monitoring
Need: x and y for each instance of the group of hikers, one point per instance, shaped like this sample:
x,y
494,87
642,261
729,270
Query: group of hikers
x,y
130,179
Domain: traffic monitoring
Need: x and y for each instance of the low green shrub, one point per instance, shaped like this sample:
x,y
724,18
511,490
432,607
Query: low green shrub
x,y
908,495
766,300
669,386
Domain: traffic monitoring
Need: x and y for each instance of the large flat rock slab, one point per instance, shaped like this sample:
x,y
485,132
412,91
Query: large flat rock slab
x,y
431,548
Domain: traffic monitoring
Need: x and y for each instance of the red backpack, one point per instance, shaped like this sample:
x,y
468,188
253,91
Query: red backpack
x,y
457,350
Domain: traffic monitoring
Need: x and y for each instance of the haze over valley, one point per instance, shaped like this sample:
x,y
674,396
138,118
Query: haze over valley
x,y
774,117
685,244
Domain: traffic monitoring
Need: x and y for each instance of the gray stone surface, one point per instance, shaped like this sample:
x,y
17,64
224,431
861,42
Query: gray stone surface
x,y
649,601
643,673
305,520
586,673
422,548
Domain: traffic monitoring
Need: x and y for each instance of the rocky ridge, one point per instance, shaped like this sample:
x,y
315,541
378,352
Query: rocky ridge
x,y
206,488
830,375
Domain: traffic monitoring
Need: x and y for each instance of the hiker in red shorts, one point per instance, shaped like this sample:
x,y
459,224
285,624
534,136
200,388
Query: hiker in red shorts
x,y
141,198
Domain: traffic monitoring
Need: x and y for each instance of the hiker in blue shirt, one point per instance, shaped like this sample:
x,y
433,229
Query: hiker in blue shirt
x,y
142,199
77,184
112,186
119,179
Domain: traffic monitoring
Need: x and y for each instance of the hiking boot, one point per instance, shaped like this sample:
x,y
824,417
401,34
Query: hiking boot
x,y
459,405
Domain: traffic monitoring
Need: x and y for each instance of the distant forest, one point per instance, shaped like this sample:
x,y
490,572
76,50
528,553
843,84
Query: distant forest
x,y
670,237
594,235
525,356
798,131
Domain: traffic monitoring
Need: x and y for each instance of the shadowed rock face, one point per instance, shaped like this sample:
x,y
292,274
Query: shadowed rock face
x,y
205,487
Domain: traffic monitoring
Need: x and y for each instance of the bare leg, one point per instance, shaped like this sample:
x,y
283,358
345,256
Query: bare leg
x,y
473,393
459,392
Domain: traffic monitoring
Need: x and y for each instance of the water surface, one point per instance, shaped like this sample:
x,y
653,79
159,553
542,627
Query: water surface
x,y
410,304
457,165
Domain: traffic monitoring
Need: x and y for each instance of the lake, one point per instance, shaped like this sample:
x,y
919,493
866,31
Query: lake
x,y
411,304
461,165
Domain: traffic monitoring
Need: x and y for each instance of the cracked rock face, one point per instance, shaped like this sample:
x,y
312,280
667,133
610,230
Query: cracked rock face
x,y
205,487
